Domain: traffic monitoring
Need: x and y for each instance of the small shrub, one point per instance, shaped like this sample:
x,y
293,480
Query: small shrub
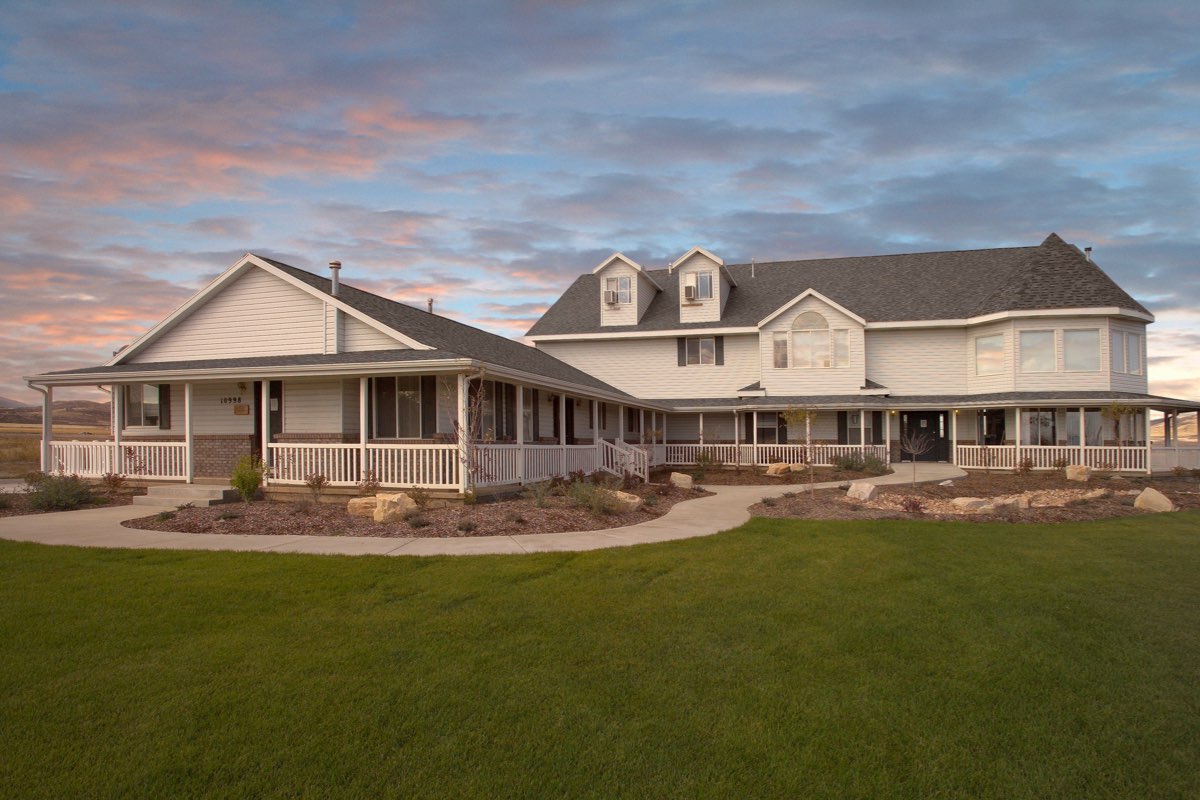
x,y
1060,463
247,476
912,505
113,483
467,525
630,482
60,493
184,506
34,479
469,499
769,501
576,476
163,516
650,501
597,499
417,521
316,484
1024,466
874,465
1181,472
418,496
538,492
850,463
369,485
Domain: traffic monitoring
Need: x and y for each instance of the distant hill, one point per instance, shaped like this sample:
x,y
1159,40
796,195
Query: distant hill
x,y
6,403
1187,429
66,412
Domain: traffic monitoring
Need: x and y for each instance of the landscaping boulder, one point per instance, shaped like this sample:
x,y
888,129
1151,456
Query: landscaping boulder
x,y
627,502
681,480
1096,494
798,467
968,503
1153,500
778,469
1002,504
393,507
862,491
946,483
1078,472
362,507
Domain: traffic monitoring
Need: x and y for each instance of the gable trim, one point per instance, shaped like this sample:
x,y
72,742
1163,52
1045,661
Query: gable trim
x,y
628,262
238,269
710,256
812,293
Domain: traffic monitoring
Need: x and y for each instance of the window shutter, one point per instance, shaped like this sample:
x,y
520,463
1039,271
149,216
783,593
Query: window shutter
x,y
843,437
682,348
164,406
876,427
720,347
428,406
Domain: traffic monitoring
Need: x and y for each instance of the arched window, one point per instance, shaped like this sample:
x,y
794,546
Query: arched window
x,y
810,341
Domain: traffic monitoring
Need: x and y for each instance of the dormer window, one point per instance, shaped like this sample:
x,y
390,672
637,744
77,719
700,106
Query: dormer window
x,y
617,291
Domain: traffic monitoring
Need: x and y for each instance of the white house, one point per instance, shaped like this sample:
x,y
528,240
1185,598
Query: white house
x,y
996,356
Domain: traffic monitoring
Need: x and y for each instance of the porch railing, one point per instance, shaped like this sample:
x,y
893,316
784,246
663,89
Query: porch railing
x,y
1164,458
821,455
1045,457
427,466
143,460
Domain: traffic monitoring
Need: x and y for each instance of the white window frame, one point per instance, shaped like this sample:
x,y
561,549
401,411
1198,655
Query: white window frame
x,y
999,370
703,292
1066,338
622,286
1021,352
784,338
129,420
379,411
698,341
1133,347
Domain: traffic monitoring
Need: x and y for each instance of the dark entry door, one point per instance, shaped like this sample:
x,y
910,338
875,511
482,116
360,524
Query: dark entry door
x,y
928,432
274,417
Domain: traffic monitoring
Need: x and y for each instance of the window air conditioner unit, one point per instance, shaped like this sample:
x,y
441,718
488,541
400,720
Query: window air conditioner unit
x,y
689,292
610,297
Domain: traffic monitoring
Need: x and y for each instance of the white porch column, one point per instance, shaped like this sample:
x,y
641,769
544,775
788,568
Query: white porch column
x,y
1082,436
754,437
189,439
596,422
118,400
1146,441
519,391
562,431
1017,449
737,441
47,429
464,432
364,387
954,436
701,428
264,393
887,435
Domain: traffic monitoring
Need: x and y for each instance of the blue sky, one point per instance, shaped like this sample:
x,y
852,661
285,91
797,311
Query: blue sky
x,y
486,153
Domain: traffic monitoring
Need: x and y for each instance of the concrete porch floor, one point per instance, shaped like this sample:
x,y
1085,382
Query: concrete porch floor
x,y
728,508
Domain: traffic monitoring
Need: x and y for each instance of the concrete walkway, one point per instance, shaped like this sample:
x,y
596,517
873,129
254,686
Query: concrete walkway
x,y
728,508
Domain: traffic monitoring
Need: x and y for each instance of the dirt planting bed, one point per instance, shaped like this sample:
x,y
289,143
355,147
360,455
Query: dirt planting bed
x,y
756,476
1051,498
499,518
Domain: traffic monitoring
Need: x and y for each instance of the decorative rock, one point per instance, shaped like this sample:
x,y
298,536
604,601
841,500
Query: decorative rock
x,y
361,507
862,491
1153,500
393,507
1078,472
1007,504
969,503
946,483
1096,494
798,467
844,485
627,501
1022,503
681,480
778,469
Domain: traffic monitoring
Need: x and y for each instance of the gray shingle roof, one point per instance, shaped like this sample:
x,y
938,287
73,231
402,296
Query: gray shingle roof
x,y
910,286
364,357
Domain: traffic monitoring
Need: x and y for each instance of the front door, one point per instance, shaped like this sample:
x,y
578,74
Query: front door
x,y
926,434
274,416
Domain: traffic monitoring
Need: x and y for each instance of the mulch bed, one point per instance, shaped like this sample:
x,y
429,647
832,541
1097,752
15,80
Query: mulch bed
x,y
834,504
16,504
498,518
757,476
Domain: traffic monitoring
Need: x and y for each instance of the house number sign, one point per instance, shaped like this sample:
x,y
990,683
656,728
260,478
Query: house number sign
x,y
231,401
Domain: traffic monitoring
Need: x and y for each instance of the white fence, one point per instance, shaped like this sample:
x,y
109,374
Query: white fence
x,y
1167,458
144,460
1045,457
822,455
428,466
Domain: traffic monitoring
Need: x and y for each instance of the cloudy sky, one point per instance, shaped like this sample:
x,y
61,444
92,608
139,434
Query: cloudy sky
x,y
485,153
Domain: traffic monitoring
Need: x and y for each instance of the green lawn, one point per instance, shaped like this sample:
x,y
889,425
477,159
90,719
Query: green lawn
x,y
780,660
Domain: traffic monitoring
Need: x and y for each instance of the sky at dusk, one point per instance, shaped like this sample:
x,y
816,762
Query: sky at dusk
x,y
484,154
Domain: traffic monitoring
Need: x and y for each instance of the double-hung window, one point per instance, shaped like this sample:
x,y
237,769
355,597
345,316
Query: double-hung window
x,y
397,403
989,354
701,350
1081,351
621,286
1037,351
780,349
1126,352
704,285
147,405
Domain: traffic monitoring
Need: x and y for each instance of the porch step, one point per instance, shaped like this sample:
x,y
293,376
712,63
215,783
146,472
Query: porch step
x,y
176,494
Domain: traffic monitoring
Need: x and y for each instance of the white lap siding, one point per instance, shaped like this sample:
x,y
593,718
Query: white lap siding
x,y
922,361
313,406
794,380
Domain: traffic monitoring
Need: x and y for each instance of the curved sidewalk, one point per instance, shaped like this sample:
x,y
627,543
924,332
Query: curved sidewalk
x,y
728,508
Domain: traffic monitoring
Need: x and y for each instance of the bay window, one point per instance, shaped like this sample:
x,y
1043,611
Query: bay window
x,y
989,354
1037,351
1081,351
1126,352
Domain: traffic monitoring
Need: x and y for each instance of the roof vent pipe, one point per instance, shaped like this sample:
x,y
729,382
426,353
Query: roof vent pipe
x,y
335,268
1087,253
430,304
